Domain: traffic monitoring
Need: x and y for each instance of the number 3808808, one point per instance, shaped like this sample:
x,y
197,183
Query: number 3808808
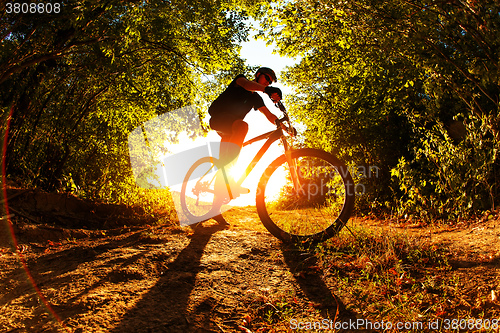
x,y
32,8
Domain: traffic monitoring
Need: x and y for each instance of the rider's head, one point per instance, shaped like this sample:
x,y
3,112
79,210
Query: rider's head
x,y
267,73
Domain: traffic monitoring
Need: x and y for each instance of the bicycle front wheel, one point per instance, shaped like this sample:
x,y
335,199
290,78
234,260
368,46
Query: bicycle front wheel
x,y
308,196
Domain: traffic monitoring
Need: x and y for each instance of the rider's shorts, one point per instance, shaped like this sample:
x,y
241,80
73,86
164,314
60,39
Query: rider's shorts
x,y
223,124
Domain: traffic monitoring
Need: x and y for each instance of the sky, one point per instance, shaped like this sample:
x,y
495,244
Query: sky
x,y
257,53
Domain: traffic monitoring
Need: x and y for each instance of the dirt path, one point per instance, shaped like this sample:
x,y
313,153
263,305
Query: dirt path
x,y
210,279
158,280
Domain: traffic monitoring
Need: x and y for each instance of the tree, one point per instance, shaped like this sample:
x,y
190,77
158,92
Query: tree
x,y
382,79
74,83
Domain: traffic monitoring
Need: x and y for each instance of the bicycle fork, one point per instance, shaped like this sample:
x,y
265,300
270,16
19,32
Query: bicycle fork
x,y
292,165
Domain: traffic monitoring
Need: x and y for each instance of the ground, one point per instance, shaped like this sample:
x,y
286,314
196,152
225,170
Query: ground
x,y
211,278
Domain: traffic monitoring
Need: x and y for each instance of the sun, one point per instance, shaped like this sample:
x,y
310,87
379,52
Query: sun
x,y
246,156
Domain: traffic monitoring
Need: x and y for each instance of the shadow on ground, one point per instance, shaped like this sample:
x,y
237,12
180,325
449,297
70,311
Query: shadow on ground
x,y
164,307
302,265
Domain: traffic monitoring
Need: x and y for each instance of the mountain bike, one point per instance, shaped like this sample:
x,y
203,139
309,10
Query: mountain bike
x,y
306,194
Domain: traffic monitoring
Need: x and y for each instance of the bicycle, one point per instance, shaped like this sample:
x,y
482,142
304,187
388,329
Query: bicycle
x,y
315,195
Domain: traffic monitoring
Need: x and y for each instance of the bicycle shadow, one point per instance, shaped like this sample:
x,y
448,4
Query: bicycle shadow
x,y
302,265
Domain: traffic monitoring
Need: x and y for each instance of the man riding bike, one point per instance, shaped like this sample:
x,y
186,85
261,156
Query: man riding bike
x,y
227,113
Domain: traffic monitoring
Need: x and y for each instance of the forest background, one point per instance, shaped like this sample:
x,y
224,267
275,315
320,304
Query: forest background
x,y
411,87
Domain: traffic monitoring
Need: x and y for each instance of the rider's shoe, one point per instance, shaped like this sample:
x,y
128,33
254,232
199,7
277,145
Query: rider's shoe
x,y
237,190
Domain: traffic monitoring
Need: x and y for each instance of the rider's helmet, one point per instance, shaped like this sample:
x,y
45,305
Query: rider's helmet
x,y
268,71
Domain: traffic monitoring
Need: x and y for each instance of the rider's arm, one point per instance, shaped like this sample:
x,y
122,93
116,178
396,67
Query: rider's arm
x,y
249,85
271,117
255,86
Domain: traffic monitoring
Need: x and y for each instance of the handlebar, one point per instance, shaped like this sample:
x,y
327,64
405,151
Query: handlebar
x,y
280,106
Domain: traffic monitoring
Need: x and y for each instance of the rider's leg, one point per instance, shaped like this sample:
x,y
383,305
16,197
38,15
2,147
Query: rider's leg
x,y
229,150
230,145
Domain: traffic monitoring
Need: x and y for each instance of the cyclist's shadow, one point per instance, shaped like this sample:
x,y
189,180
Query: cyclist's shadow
x,y
302,265
166,303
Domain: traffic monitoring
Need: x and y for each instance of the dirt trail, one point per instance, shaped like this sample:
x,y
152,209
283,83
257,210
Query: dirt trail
x,y
159,279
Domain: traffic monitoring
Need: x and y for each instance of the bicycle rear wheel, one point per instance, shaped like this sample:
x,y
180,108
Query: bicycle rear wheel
x,y
315,209
198,199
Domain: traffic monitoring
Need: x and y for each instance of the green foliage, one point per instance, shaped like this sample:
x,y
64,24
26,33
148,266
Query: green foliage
x,y
76,83
382,82
349,97
446,179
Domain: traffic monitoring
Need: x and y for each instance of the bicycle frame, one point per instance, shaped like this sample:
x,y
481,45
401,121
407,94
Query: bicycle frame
x,y
271,137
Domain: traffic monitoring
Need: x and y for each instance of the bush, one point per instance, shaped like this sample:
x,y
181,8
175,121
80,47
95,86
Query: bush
x,y
447,179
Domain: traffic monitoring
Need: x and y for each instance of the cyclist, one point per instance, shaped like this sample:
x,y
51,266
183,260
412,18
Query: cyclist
x,y
228,111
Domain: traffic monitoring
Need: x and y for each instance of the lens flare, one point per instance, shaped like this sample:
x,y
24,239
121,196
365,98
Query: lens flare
x,y
15,243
